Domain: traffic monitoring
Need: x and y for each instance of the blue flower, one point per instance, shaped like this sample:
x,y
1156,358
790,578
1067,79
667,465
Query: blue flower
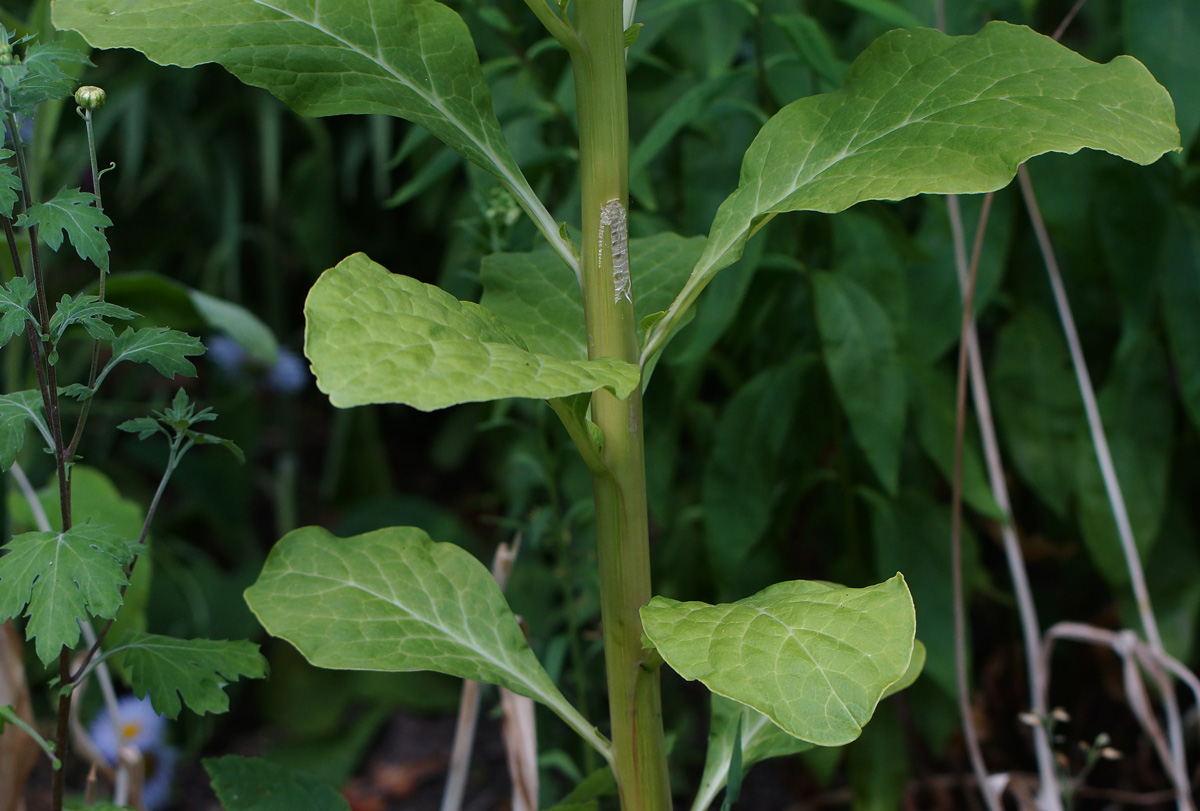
x,y
142,728
289,375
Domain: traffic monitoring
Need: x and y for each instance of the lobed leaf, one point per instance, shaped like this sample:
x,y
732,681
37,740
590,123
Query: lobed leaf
x,y
174,672
15,297
10,184
393,600
17,410
74,213
926,113
39,77
165,349
89,312
812,657
377,337
63,577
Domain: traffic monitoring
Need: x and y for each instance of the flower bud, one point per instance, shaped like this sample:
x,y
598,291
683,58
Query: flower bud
x,y
90,97
6,54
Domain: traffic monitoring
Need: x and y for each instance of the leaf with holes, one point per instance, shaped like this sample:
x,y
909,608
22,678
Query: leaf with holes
x,y
814,658
63,577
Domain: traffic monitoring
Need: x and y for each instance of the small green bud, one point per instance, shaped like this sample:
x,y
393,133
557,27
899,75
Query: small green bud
x,y
90,97
6,54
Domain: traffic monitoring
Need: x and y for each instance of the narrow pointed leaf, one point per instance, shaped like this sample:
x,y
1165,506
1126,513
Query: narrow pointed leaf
x,y
409,58
74,213
63,577
761,739
175,672
17,410
377,337
926,113
393,600
812,657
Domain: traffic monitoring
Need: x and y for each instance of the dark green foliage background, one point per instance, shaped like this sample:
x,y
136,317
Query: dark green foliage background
x,y
754,473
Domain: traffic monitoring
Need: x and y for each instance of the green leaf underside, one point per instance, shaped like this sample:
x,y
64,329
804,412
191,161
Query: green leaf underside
x,y
165,349
63,577
194,670
377,337
15,297
539,299
813,658
926,113
74,213
10,184
761,739
17,410
393,600
409,58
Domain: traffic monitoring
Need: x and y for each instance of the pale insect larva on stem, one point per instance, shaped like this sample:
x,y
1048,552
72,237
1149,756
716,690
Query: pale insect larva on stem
x,y
612,217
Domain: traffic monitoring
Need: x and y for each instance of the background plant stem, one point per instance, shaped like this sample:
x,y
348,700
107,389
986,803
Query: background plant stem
x,y
639,754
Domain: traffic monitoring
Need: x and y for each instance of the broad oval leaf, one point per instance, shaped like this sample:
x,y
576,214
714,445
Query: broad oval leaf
x,y
410,58
813,657
393,600
925,113
377,337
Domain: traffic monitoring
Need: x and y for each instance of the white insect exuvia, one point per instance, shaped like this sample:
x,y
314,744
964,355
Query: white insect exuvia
x,y
612,217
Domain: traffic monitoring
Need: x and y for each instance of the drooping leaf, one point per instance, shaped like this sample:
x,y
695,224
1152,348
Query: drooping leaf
x,y
812,657
74,213
540,301
394,600
239,324
409,58
89,312
167,350
376,337
860,353
175,672
63,577
254,784
17,410
925,113
760,739
15,297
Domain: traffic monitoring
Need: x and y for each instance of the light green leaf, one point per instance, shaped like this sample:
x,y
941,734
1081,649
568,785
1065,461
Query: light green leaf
x,y
165,349
17,410
925,113
63,577
812,657
534,295
409,58
761,739
254,784
860,353
376,337
192,670
15,296
393,600
74,213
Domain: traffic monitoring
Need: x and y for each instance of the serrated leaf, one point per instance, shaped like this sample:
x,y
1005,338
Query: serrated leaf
x,y
165,349
174,672
63,577
925,113
10,184
17,410
89,312
394,600
254,784
74,213
39,77
540,301
15,297
376,337
812,657
144,427
761,739
409,58
859,348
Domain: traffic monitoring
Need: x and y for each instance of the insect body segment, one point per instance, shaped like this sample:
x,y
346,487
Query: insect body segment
x,y
612,217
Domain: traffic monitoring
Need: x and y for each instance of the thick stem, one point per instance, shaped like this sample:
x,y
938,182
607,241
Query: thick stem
x,y
639,753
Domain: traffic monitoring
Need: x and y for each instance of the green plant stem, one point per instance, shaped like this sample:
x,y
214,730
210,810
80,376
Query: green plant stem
x,y
639,753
